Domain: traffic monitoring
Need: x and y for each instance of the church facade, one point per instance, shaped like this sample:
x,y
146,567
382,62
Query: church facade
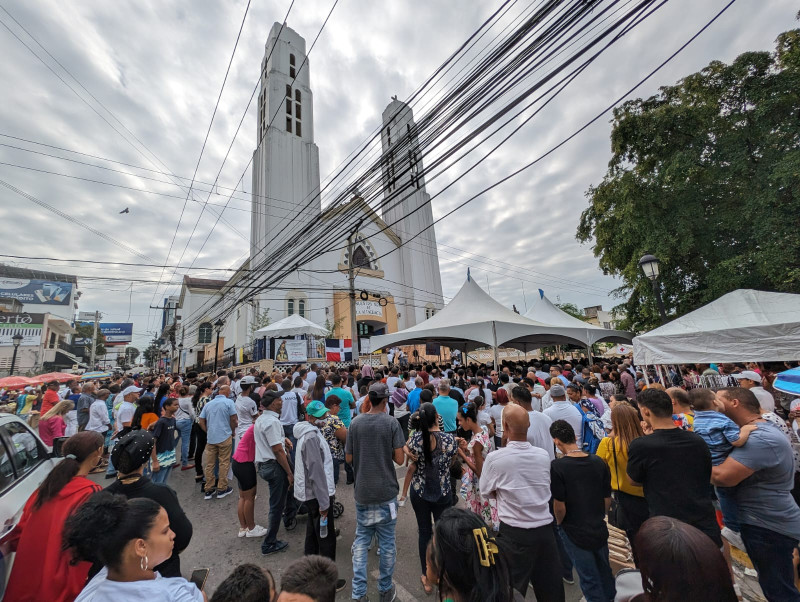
x,y
397,280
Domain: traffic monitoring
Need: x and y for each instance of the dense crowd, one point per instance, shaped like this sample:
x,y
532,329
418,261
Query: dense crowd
x,y
514,475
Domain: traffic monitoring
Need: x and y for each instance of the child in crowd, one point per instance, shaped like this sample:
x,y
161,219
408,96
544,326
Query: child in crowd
x,y
164,433
721,434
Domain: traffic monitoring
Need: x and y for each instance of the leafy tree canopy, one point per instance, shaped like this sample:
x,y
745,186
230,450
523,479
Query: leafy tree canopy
x,y
85,332
571,309
704,175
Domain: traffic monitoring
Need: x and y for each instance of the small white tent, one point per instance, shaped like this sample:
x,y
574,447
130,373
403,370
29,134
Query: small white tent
x,y
543,311
290,326
743,325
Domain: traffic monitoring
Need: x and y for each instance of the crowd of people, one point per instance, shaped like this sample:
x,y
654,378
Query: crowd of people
x,y
513,475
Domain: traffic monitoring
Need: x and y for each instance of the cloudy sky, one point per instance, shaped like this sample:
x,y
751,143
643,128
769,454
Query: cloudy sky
x,y
150,73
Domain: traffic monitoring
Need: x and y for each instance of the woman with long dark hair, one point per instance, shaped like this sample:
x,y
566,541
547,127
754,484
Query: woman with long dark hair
x,y
473,453
431,492
677,563
465,562
632,508
163,392
318,390
128,538
201,396
42,570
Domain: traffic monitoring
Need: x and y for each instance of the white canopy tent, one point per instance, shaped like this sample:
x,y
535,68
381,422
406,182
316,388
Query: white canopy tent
x,y
290,326
474,319
543,311
745,324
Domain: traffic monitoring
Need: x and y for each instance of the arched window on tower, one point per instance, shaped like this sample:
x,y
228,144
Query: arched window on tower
x,y
360,258
289,307
292,72
301,307
297,113
288,108
204,332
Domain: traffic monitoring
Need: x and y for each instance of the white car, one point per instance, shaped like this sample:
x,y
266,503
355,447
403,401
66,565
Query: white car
x,y
24,463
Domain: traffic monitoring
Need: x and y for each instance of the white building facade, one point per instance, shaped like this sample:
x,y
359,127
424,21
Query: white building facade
x,y
398,276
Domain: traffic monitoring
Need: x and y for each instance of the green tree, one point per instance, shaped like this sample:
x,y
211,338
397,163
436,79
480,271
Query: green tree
x,y
260,320
131,353
332,327
706,176
571,309
83,336
152,353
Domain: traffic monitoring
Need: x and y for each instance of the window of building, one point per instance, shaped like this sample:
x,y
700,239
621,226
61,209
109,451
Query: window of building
x,y
360,258
297,129
289,124
288,106
292,72
289,307
204,333
389,135
288,91
429,311
301,307
297,95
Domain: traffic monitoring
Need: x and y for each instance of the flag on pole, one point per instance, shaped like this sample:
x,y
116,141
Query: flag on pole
x,y
338,350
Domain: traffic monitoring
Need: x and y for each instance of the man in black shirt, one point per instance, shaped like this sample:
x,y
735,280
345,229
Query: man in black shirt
x,y
581,488
673,466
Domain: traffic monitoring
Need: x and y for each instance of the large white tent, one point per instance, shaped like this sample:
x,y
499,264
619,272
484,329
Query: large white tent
x,y
474,319
743,325
290,326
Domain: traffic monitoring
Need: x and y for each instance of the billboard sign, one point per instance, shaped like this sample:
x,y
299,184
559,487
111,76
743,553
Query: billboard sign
x,y
28,325
116,333
36,292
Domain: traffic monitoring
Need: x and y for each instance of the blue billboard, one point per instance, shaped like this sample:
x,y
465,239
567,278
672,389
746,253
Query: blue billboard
x,y
116,333
36,292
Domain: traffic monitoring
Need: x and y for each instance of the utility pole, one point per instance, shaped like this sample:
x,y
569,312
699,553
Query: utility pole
x,y
351,277
94,339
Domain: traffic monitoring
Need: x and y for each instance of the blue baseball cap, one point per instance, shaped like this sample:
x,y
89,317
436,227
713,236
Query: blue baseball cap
x,y
317,409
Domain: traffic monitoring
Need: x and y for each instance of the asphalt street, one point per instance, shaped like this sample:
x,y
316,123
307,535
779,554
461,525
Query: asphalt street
x,y
215,544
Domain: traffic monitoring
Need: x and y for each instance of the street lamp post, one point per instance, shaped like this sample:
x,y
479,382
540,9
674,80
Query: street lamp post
x,y
180,353
650,264
218,325
16,340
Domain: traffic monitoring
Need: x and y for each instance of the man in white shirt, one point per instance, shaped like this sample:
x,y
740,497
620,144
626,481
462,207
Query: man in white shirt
x,y
539,428
518,477
750,379
562,409
274,467
312,375
124,415
236,384
392,379
292,401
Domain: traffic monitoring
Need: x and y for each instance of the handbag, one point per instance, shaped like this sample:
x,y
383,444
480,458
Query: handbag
x,y
614,511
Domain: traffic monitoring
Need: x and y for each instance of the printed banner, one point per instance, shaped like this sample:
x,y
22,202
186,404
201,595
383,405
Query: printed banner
x,y
116,333
36,292
290,350
28,325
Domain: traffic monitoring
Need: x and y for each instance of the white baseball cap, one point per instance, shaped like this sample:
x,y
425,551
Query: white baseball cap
x,y
748,374
127,391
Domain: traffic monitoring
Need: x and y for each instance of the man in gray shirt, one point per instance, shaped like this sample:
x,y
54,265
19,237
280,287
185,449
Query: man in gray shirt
x,y
85,401
762,472
374,442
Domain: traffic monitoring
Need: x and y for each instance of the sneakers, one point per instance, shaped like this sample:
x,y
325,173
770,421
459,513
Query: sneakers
x,y
341,584
389,595
734,538
222,494
278,546
208,495
257,531
242,532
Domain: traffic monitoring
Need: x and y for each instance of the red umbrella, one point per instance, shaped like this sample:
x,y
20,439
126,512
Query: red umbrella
x,y
61,377
16,382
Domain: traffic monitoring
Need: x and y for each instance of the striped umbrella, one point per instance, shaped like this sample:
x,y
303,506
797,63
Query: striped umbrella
x,y
98,374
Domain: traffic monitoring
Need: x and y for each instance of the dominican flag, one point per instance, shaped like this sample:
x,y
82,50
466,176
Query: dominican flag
x,y
338,350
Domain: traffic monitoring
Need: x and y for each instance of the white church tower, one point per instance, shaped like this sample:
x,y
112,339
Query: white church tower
x,y
286,160
409,209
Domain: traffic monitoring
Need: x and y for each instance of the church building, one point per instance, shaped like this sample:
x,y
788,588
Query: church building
x,y
397,282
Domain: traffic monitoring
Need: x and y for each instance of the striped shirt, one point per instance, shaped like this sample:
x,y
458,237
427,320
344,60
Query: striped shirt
x,y
718,431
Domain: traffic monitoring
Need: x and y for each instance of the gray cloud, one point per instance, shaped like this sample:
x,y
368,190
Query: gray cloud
x,y
158,67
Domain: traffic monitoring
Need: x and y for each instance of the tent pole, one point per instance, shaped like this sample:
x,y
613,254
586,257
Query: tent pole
x,y
589,352
494,344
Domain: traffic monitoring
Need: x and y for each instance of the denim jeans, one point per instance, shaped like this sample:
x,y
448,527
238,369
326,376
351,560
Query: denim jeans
x,y
379,520
161,475
566,561
288,432
110,468
727,505
594,571
184,428
771,553
281,500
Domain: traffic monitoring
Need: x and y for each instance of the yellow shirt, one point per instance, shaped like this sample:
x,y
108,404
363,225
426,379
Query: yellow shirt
x,y
604,450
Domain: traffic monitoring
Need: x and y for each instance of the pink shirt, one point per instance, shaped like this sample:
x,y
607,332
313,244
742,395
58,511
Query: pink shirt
x,y
51,428
246,450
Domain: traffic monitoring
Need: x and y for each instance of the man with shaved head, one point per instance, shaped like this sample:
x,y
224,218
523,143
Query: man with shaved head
x,y
518,477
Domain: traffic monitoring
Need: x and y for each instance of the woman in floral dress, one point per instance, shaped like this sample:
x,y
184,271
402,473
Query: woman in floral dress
x,y
474,453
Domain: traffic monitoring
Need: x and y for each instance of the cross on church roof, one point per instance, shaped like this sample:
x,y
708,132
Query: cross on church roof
x,y
394,97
